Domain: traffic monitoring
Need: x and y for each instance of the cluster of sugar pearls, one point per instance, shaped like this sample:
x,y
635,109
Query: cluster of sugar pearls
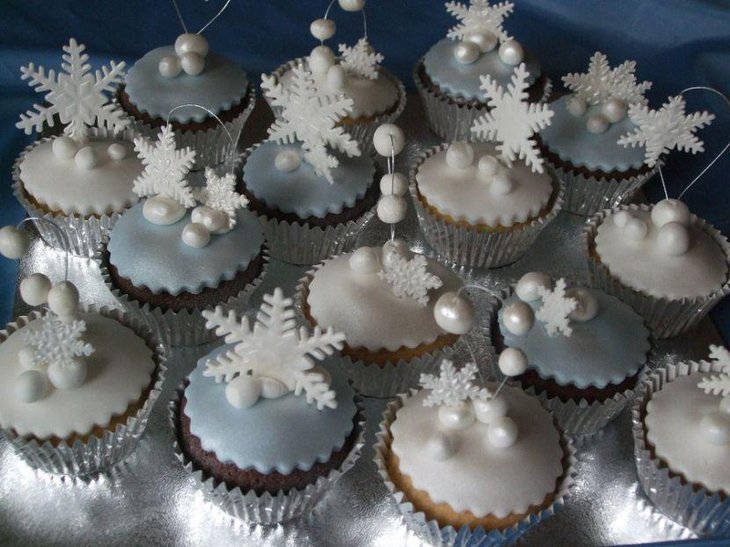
x,y
612,111
468,51
190,53
460,155
85,157
671,216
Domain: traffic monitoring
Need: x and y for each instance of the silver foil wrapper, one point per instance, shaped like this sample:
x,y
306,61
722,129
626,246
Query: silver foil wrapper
x,y
430,532
665,317
690,504
265,509
96,454
472,246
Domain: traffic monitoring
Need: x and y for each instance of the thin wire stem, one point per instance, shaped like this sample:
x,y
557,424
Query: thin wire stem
x,y
364,24
661,178
59,233
327,12
179,16
220,12
178,107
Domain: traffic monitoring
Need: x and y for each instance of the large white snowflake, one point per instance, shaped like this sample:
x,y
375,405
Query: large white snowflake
x,y
165,168
556,309
57,341
310,115
274,348
220,194
602,83
410,278
659,131
362,59
78,96
512,120
479,17
452,386
718,384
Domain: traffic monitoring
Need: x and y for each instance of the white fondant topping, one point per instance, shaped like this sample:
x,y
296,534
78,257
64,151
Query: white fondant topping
x,y
465,195
479,477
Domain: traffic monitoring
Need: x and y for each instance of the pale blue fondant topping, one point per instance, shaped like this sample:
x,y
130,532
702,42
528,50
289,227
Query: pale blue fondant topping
x,y
156,257
279,435
302,191
605,350
219,87
568,137
463,80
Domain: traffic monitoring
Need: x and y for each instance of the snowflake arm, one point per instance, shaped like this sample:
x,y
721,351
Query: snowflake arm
x,y
361,59
602,83
220,194
718,384
410,278
315,390
58,342
452,387
556,309
479,17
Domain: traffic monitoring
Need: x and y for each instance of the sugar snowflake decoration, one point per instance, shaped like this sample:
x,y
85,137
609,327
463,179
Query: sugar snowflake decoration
x,y
555,309
57,341
602,83
310,115
78,96
659,131
479,17
512,120
362,59
409,278
220,194
165,168
274,348
718,384
452,386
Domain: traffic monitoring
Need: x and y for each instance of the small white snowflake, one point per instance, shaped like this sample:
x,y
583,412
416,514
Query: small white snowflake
x,y
555,309
512,120
165,168
659,131
410,278
479,17
57,341
220,194
452,387
78,96
274,348
362,59
718,384
310,115
602,83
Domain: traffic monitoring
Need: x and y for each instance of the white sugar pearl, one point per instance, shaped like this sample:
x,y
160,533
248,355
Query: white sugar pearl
x,y
351,5
453,313
725,404
64,148
287,160
321,59
716,428
387,138
466,52
501,184
673,239
86,158
614,110
13,242
243,391
212,219
196,235
365,260
26,357
191,43
192,63
68,376
511,52
117,151
490,409
30,386
486,41
169,66
440,446
34,289
272,388
323,29
456,417
396,184
670,210
518,318
635,229
488,165
587,304
162,210
392,209
621,218
502,432
395,248
512,362
527,286
576,106
336,77
459,155
596,124
63,299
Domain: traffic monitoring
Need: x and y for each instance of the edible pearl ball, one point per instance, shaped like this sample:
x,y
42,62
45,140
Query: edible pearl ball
x,y
489,410
635,229
586,304
68,376
527,286
13,242
670,210
34,289
365,260
395,184
30,386
321,59
191,43
243,391
162,210
502,432
501,184
351,5
512,362
440,446
287,160
576,106
388,138
614,110
192,63
518,318
395,248
336,77
392,209
117,151
466,52
196,235
63,299
673,239
456,417
459,155
26,357
86,158
621,218
597,124
454,313
64,148
272,388
725,404
323,29
486,41
511,52
212,219
169,66
488,165
716,428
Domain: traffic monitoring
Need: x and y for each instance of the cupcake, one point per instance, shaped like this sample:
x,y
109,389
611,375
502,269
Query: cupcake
x,y
471,465
263,430
584,349
681,431
81,179
448,76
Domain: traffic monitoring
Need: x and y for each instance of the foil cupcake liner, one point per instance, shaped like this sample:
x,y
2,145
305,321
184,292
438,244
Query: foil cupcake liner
x,y
96,454
471,246
665,317
430,532
690,504
265,509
